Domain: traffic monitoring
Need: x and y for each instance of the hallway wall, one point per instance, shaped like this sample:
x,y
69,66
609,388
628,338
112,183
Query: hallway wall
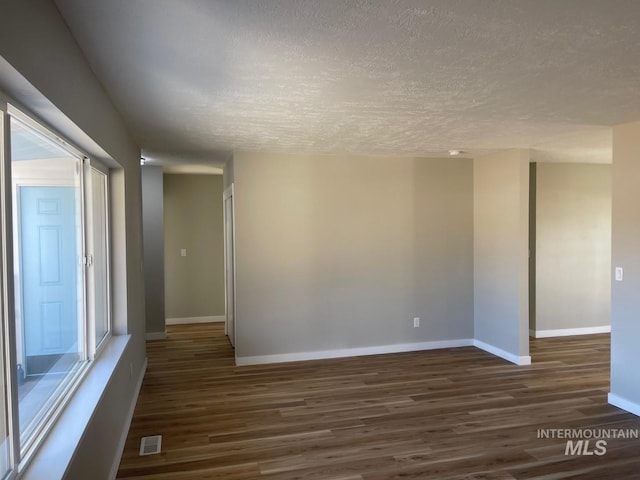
x,y
193,222
572,249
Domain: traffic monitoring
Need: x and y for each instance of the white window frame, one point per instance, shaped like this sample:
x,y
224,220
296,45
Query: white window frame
x,y
96,347
21,453
9,350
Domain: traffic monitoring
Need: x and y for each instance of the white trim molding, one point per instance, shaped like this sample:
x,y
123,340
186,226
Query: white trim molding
x,y
155,335
352,352
187,320
566,332
498,352
623,403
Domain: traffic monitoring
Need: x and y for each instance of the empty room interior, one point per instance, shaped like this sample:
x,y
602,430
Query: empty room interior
x,y
321,240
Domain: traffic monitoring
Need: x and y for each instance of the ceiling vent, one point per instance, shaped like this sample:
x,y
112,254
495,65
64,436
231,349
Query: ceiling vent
x,y
150,445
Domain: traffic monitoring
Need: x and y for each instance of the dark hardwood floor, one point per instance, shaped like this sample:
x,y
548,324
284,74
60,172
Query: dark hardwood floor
x,y
443,414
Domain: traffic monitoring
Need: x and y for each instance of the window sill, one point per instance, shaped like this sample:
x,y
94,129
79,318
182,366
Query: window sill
x,y
57,450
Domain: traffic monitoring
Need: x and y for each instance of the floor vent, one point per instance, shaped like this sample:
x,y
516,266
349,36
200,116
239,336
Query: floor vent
x,y
150,445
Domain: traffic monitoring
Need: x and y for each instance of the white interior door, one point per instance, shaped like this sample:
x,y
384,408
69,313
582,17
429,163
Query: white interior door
x,y
47,218
229,261
47,271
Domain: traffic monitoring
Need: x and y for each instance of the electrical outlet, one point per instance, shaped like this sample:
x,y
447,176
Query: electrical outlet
x,y
183,252
619,274
416,322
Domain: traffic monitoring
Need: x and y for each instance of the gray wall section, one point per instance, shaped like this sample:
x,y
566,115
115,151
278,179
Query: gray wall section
x,y
340,252
625,300
443,253
48,64
573,246
194,285
501,251
153,234
38,44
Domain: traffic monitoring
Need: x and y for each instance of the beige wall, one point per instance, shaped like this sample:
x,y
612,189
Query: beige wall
x,y
194,285
340,252
573,246
501,252
625,300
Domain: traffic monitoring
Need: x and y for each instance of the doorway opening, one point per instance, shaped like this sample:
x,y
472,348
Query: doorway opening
x,y
570,250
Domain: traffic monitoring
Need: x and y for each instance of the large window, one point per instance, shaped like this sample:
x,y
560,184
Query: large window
x,y
55,278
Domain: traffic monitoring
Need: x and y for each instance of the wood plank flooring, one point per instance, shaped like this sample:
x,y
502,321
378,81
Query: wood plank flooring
x,y
446,414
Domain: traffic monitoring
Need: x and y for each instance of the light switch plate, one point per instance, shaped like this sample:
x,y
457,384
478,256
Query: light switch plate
x,y
619,274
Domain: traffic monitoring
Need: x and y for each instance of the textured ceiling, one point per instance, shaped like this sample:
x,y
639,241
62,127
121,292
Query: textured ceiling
x,y
196,79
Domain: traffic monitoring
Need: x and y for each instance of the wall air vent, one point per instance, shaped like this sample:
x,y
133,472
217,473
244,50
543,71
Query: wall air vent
x,y
150,445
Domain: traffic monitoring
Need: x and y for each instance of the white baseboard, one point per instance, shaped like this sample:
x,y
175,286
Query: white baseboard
x,y
566,332
125,433
155,335
624,404
186,320
518,360
352,352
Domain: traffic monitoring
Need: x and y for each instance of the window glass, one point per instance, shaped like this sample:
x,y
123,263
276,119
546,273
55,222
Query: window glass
x,y
48,273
